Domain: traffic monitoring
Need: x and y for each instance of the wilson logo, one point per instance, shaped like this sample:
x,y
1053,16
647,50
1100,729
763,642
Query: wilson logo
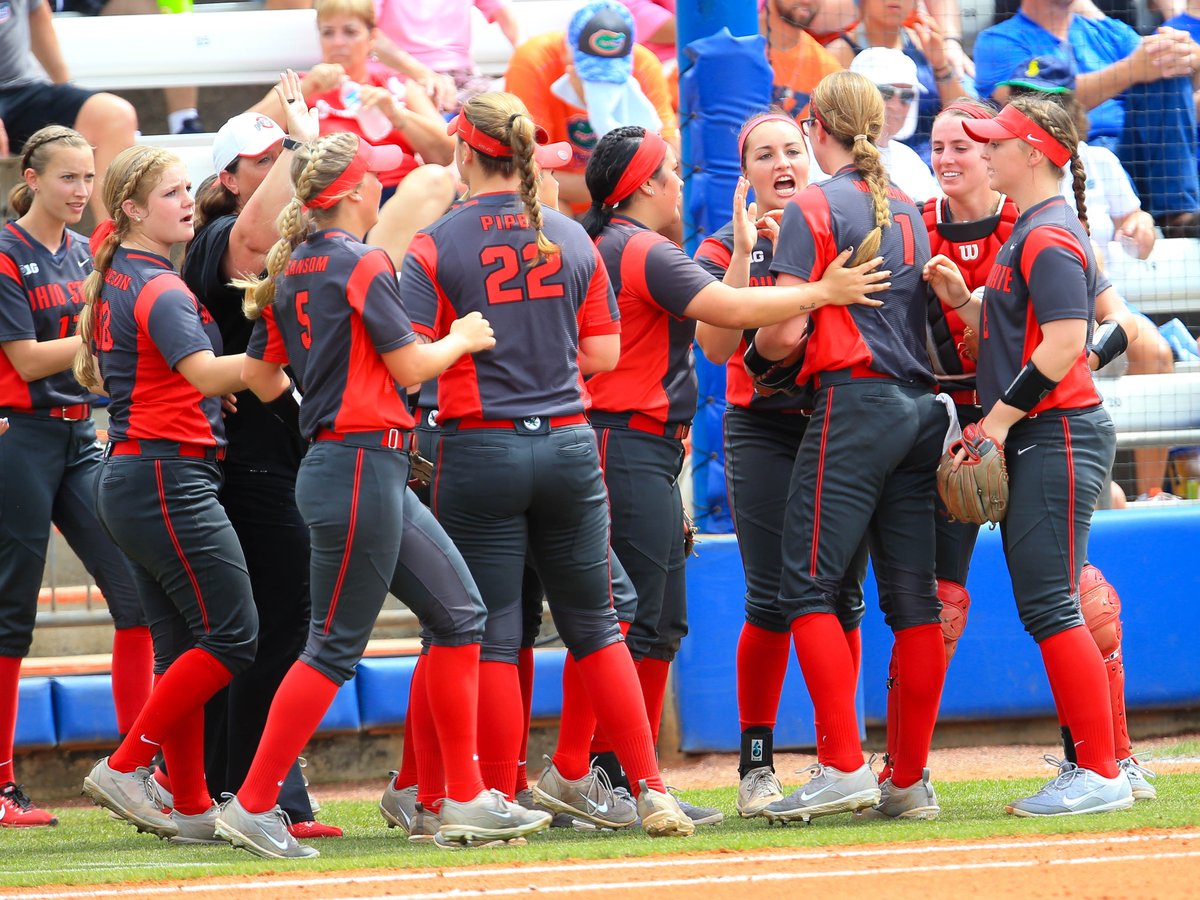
x,y
608,43
969,252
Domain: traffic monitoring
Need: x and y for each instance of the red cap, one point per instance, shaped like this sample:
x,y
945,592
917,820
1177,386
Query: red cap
x,y
553,156
485,143
368,158
1011,124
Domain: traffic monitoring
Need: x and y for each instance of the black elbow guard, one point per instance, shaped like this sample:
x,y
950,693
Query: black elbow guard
x,y
1028,389
1109,341
756,364
286,409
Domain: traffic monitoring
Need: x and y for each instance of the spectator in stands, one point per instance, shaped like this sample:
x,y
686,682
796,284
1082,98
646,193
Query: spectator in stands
x,y
1138,91
578,86
1113,210
895,74
430,41
654,20
29,100
348,95
797,60
182,115
902,26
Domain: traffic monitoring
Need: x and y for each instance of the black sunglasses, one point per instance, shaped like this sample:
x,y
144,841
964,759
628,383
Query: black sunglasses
x,y
906,95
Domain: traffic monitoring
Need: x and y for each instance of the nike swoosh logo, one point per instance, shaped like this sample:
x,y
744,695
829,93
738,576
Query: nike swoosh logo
x,y
150,742
282,845
805,796
1023,449
502,815
1031,139
1072,802
600,808
3,810
279,784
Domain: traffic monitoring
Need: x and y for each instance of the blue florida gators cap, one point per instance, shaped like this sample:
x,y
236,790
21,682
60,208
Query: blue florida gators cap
x,y
1048,74
600,36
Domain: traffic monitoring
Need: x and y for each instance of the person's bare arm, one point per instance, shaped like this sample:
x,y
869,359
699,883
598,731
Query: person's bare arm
x,y
43,42
35,359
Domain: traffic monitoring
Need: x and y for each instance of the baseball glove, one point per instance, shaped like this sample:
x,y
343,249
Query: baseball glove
x,y
977,490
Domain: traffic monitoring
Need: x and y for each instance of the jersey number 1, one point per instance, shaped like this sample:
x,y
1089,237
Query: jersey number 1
x,y
510,282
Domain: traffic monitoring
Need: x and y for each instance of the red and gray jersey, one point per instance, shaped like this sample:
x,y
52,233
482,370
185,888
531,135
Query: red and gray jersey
x,y
40,299
825,219
337,309
655,281
146,322
973,247
480,257
1045,273
714,255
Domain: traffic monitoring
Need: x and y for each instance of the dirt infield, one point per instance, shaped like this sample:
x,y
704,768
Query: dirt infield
x,y
1146,864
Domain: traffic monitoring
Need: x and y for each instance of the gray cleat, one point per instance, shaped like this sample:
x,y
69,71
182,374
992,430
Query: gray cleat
x,y
758,789
263,834
197,829
590,798
1075,791
661,814
425,825
1139,779
830,791
398,806
560,820
917,801
700,815
489,816
131,795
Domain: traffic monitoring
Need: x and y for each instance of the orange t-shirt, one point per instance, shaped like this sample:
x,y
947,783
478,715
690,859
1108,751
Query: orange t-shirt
x,y
540,61
797,72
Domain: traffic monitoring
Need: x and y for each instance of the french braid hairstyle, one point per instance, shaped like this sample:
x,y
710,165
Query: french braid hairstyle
x,y
505,118
36,155
1056,119
607,164
850,108
133,174
316,166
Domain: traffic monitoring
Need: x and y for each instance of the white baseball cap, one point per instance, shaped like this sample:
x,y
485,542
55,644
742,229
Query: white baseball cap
x,y
885,65
246,134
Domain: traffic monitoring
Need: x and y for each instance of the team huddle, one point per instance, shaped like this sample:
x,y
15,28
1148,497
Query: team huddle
x,y
259,496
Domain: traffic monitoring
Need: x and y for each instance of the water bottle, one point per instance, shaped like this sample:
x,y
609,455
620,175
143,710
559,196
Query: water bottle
x,y
374,124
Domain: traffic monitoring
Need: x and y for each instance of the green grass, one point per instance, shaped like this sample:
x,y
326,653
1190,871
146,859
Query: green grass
x,y
88,847
1178,750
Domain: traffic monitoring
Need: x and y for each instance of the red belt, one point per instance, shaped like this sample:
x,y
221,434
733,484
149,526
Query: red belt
x,y
166,449
642,422
527,424
964,397
76,413
856,372
386,439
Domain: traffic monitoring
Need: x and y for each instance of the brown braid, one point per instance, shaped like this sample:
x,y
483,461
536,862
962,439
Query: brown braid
x,y
504,117
213,200
133,174
851,109
316,166
36,155
1056,119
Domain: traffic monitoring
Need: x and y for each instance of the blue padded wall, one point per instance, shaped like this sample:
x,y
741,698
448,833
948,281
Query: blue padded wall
x,y
35,714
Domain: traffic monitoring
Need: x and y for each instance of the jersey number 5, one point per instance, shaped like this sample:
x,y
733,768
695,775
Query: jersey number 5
x,y
509,282
303,319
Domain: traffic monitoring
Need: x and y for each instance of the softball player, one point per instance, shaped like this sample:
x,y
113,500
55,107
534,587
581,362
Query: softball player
x,y
153,344
518,473
762,435
641,410
866,465
1035,384
330,306
42,267
235,220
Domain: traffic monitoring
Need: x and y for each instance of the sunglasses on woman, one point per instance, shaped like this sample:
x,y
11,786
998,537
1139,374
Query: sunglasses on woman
x,y
906,95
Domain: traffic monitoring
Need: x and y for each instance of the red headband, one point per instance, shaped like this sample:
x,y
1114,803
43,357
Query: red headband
x,y
649,156
485,143
759,120
367,158
969,109
1012,123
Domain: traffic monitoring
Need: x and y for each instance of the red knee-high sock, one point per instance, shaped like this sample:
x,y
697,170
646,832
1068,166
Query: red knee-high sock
x,y
612,683
854,645
920,655
453,689
829,674
893,717
600,743
407,775
577,725
297,710
652,673
525,676
182,689
762,658
184,753
500,723
10,683
1076,672
431,774
132,673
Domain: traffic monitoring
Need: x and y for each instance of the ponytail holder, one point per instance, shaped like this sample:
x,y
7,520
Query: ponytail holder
x,y
861,137
512,120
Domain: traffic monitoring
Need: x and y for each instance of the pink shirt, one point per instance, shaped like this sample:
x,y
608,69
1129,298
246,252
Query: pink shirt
x,y
648,17
436,32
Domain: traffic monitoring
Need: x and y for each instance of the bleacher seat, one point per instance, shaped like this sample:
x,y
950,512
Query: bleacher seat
x,y
1163,284
84,713
35,714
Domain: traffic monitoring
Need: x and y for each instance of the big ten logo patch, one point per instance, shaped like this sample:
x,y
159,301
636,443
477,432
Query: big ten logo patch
x,y
756,750
581,135
757,256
